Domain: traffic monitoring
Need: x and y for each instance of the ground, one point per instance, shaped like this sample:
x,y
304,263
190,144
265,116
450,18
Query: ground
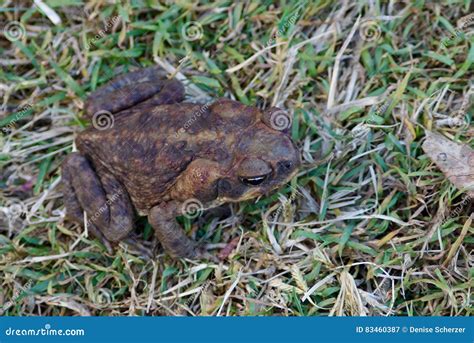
x,y
370,226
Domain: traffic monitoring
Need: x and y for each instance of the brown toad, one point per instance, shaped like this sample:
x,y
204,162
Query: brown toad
x,y
148,153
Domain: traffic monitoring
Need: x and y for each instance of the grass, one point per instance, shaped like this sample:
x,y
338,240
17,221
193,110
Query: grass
x,y
369,227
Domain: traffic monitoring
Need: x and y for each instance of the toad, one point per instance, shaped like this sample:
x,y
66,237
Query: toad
x,y
148,153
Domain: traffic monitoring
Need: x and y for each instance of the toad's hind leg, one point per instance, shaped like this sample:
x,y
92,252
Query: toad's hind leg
x,y
148,85
74,210
104,200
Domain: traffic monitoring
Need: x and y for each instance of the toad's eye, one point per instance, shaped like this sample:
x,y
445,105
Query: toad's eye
x,y
253,181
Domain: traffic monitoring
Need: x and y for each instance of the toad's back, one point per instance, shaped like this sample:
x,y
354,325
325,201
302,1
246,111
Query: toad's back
x,y
147,148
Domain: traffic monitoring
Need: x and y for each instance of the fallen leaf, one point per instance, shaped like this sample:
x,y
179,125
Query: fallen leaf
x,y
455,160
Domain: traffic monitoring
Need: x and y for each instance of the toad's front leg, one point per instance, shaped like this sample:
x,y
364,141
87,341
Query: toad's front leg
x,y
172,237
198,181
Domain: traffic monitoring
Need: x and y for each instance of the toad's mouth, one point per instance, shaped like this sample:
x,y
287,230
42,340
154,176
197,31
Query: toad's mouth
x,y
253,181
266,187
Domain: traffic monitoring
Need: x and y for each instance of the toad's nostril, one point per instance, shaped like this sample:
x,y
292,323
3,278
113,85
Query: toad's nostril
x,y
284,166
